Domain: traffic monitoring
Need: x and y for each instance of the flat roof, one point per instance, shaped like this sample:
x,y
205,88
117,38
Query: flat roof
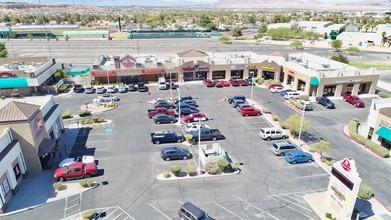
x,y
34,100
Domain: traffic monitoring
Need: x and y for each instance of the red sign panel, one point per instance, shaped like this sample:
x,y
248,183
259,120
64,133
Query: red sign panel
x,y
38,126
7,75
103,73
188,68
385,124
346,165
291,72
153,71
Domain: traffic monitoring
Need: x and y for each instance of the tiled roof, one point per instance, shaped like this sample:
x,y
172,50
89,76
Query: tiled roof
x,y
385,111
192,53
17,111
277,54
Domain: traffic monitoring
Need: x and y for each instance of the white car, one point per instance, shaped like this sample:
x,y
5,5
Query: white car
x,y
88,89
100,89
276,89
84,159
121,88
111,89
189,127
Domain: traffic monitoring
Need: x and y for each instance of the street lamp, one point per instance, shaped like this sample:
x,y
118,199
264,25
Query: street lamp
x,y
252,88
170,84
179,101
199,144
302,119
108,82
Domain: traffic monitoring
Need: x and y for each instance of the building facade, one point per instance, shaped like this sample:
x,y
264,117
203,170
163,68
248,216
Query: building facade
x,y
311,74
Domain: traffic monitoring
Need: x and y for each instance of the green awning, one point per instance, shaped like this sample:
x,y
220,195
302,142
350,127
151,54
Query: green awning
x,y
384,133
13,83
314,81
78,70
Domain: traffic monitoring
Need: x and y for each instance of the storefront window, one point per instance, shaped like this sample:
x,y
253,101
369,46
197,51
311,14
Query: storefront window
x,y
301,85
173,76
268,75
17,171
253,74
218,75
349,88
5,187
329,90
188,76
237,74
201,75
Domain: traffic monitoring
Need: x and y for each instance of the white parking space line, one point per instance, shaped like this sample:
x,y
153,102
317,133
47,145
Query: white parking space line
x,y
279,197
228,210
305,192
298,200
302,177
262,211
112,212
309,217
159,211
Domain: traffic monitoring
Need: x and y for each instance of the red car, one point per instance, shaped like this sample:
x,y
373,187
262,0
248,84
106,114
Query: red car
x,y
274,85
224,83
250,111
233,82
217,83
160,110
75,170
194,117
354,100
208,83
243,82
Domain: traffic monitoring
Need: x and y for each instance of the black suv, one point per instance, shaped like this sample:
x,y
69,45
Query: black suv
x,y
325,102
163,119
188,211
182,99
230,100
77,88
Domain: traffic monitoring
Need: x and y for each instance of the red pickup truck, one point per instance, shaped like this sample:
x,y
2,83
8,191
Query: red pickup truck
x,y
354,100
75,170
160,110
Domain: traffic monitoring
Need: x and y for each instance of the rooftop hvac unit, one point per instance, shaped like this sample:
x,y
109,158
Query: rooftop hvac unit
x,y
33,63
14,67
293,58
6,66
326,65
299,60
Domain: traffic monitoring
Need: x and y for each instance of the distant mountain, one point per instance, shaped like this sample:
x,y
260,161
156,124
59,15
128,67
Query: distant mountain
x,y
115,2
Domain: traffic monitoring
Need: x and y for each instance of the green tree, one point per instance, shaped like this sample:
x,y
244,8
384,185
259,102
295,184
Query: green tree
x,y
296,44
336,44
293,123
204,21
211,26
352,50
224,39
322,146
236,32
262,29
6,18
30,36
340,58
3,50
59,74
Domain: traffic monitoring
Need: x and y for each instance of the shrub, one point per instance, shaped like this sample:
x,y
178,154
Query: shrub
x,y
94,119
323,159
63,87
266,111
299,105
83,183
82,121
328,215
365,191
100,120
384,95
111,105
284,126
188,137
304,97
275,118
15,95
90,183
176,169
291,101
233,166
223,164
66,115
312,149
57,185
166,174
212,168
384,152
83,113
192,171
88,214
361,139
272,81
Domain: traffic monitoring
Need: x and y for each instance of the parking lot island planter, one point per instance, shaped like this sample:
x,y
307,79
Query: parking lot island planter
x,y
167,176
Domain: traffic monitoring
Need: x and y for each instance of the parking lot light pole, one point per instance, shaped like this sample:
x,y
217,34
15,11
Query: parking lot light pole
x,y
199,147
302,119
170,84
252,88
179,99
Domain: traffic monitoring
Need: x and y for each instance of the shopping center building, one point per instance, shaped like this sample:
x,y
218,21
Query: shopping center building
x,y
309,73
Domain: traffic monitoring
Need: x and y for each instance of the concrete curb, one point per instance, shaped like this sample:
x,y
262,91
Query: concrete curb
x,y
204,175
293,107
62,95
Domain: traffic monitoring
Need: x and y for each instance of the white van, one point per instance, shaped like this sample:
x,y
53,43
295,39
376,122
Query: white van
x,y
162,83
272,133
292,95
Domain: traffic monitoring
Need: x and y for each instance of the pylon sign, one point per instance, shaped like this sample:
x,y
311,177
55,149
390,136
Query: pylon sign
x,y
343,188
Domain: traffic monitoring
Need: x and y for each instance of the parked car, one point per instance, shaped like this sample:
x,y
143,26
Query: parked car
x,y
160,110
164,104
188,111
243,82
141,87
307,105
166,136
250,82
132,87
75,170
283,92
185,106
111,89
164,119
298,156
283,147
236,97
292,95
195,117
83,159
218,84
100,90
189,127
237,102
182,98
170,153
158,100
121,88
250,111
233,82
206,134
189,102
272,133
174,85
241,106
225,83
77,88
162,85
354,100
188,211
325,102
276,89
88,89
108,98
274,85
208,83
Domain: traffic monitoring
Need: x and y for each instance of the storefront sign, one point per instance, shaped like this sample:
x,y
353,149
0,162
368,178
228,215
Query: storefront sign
x,y
143,71
202,68
291,72
7,75
103,73
385,124
251,66
238,66
188,68
349,81
38,126
268,67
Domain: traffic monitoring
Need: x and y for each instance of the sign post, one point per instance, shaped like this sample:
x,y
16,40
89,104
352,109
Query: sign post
x,y
343,188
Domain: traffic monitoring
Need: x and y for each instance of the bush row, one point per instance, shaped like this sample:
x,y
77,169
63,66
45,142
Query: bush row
x,y
266,111
259,80
63,87
84,113
352,128
92,120
384,95
66,115
296,104
85,183
111,105
211,168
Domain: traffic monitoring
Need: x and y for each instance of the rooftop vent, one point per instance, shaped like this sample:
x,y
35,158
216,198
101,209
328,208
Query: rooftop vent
x,y
299,60
326,65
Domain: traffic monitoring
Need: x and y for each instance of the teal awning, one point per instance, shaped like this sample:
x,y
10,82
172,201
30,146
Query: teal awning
x,y
314,81
13,83
384,133
78,70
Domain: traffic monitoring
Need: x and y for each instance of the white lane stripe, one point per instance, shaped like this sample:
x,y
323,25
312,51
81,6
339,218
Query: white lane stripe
x,y
262,211
293,203
228,210
309,191
159,211
126,214
302,177
290,197
293,209
112,212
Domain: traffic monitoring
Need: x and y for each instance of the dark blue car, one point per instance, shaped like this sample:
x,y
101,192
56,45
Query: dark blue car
x,y
298,156
283,92
172,153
